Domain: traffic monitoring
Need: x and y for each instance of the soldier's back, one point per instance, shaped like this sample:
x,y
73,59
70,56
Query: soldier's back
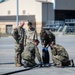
x,y
61,50
28,51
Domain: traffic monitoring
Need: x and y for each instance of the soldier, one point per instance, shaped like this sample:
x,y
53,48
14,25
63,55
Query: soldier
x,y
30,51
31,33
46,38
18,35
60,56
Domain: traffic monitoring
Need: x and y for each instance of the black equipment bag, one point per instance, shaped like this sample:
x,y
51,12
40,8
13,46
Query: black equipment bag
x,y
45,55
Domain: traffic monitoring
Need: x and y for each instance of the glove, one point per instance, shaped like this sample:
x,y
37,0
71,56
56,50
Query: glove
x,y
45,49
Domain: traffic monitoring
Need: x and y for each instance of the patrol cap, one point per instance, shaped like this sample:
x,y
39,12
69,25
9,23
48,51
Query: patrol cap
x,y
29,23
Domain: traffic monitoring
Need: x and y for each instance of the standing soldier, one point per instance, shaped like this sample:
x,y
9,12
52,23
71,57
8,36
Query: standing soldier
x,y
18,35
60,56
46,37
31,34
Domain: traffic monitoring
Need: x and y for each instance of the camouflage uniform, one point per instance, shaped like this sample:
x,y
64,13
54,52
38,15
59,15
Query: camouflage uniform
x,y
29,54
18,35
59,55
47,38
31,35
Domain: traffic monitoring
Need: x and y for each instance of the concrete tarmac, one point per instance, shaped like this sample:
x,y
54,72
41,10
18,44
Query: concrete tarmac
x,y
7,58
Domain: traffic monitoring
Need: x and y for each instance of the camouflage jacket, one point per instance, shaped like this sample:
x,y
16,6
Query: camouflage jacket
x,y
30,52
31,35
19,34
60,51
47,38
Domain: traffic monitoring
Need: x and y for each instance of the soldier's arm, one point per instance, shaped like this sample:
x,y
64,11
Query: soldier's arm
x,y
38,54
35,35
25,39
15,35
22,35
42,39
14,32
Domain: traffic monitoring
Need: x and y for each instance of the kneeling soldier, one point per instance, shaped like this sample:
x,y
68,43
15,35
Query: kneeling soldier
x,y
29,54
60,56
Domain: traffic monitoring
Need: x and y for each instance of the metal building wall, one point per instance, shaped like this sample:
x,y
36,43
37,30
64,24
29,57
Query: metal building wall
x,y
47,12
65,4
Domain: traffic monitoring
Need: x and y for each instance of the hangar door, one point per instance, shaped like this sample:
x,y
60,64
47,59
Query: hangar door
x,y
8,29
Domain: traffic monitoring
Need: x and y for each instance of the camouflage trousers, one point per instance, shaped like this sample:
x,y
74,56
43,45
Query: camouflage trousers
x,y
29,63
60,60
18,51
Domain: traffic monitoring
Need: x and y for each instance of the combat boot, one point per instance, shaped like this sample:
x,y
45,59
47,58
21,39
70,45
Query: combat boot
x,y
25,64
72,63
